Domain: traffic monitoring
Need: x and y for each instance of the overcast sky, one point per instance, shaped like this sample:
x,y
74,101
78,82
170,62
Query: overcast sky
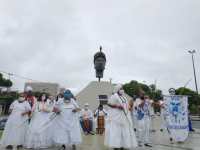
x,y
144,40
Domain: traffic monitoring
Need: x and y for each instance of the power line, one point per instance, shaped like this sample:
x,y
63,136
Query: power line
x,y
18,76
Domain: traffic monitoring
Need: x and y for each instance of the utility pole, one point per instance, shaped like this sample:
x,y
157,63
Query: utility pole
x,y
195,78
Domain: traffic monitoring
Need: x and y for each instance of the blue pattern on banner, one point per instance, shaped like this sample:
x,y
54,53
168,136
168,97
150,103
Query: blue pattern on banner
x,y
177,127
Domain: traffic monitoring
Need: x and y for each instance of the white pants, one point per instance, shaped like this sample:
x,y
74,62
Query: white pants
x,y
143,130
163,122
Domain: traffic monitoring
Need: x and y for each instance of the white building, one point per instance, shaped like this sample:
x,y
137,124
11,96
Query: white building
x,y
94,93
51,88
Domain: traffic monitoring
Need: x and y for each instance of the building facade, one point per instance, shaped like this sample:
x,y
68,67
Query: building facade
x,y
51,88
96,93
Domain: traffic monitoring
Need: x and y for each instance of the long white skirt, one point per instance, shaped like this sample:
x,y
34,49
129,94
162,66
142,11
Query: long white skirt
x,y
66,128
76,137
119,135
39,134
15,130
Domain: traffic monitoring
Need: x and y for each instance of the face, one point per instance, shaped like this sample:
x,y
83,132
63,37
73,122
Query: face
x,y
172,91
51,98
100,108
21,98
29,93
121,91
86,107
142,97
43,97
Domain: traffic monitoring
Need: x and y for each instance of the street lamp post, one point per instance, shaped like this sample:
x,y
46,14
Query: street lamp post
x,y
192,53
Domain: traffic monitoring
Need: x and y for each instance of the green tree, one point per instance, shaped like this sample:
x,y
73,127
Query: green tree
x,y
5,82
193,98
134,87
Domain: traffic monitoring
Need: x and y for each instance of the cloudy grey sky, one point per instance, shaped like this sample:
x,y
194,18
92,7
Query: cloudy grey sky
x,y
144,40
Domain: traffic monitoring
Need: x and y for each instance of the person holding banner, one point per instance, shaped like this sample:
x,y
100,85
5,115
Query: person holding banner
x,y
17,123
66,127
176,108
143,118
119,133
39,135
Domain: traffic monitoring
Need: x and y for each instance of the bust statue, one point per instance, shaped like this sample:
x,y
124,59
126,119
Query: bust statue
x,y
99,63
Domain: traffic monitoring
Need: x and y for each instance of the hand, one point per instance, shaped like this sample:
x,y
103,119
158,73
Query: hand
x,y
56,110
24,113
74,110
141,104
120,107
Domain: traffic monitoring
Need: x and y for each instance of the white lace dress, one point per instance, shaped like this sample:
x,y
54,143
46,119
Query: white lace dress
x,y
66,126
39,134
16,126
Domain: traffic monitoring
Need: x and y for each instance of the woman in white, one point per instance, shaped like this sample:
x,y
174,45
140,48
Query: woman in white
x,y
67,130
39,133
143,120
17,124
119,132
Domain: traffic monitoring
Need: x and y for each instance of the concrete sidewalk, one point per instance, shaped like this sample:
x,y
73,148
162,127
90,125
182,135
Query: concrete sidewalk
x,y
160,141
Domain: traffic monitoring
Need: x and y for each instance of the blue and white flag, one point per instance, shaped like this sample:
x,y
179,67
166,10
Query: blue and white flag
x,y
176,111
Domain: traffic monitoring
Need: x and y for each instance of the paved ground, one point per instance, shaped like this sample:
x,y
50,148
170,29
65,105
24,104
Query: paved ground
x,y
160,141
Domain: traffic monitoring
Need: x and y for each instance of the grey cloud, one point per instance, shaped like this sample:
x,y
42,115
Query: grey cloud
x,y
55,41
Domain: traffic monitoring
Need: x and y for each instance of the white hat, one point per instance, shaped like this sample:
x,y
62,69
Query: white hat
x,y
117,88
28,88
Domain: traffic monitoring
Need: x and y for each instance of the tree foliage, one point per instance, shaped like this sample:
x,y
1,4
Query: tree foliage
x,y
5,82
134,87
193,98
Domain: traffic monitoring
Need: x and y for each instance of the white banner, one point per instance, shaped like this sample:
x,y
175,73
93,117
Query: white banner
x,y
176,111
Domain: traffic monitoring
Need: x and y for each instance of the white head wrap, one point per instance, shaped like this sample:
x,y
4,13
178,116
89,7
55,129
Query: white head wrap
x,y
28,88
117,88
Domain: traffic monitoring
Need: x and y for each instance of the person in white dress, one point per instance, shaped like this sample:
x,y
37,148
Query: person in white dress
x,y
39,132
119,133
143,118
17,124
67,131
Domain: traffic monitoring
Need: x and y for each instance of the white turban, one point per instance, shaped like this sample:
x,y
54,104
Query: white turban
x,y
117,88
28,88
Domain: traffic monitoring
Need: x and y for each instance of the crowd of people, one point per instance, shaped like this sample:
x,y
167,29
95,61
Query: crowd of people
x,y
46,121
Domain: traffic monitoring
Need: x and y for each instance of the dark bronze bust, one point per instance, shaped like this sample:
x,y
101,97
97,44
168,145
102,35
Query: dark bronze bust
x,y
99,63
